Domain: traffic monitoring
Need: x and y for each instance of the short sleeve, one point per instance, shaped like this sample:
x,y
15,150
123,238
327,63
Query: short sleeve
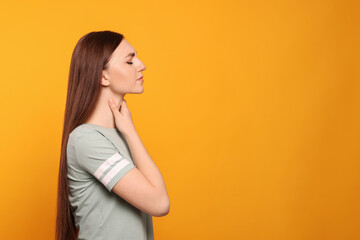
x,y
98,156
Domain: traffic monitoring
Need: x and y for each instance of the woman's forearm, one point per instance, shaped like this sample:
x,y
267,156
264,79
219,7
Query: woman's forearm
x,y
144,162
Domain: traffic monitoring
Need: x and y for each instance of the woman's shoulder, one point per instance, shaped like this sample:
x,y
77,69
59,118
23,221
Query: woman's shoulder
x,y
84,131
81,130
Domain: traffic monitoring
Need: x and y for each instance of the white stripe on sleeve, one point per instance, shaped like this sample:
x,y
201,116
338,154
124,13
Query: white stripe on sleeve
x,y
120,165
105,165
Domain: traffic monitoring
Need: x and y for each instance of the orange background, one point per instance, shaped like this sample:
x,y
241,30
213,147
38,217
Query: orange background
x,y
251,110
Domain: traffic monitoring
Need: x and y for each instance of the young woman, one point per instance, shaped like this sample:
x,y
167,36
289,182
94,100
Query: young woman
x,y
109,187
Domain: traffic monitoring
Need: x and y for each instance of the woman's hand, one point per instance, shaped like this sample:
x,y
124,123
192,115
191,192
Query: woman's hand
x,y
123,119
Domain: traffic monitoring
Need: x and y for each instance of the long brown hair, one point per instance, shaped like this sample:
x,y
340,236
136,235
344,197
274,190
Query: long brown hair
x,y
90,56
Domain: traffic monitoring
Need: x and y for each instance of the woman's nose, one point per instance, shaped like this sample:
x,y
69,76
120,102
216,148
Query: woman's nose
x,y
142,67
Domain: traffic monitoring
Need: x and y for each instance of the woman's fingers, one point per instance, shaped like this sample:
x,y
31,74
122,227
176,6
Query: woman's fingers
x,y
124,111
123,106
123,119
113,108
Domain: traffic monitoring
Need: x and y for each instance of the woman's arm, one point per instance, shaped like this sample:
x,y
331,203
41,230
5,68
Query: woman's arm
x,y
143,186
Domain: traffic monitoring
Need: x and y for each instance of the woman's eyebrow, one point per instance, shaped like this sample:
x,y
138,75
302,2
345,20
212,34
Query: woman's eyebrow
x,y
132,54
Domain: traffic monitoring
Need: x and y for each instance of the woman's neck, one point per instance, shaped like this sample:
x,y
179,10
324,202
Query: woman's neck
x,y
102,114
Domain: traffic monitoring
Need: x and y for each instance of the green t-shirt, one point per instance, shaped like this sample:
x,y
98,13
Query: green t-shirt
x,y
97,158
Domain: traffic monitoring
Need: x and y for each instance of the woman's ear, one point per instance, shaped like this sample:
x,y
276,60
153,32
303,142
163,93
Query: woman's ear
x,y
105,78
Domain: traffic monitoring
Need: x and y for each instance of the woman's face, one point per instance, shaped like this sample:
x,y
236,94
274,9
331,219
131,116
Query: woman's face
x,y
124,70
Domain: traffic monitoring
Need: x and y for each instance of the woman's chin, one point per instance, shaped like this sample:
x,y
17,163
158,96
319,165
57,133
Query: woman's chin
x,y
139,91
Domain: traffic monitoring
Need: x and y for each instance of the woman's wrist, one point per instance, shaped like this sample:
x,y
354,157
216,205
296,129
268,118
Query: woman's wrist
x,y
129,132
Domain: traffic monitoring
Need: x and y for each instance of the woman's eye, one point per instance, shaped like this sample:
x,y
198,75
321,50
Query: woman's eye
x,y
129,62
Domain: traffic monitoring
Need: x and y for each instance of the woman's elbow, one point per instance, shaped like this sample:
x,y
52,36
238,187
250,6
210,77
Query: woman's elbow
x,y
163,208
